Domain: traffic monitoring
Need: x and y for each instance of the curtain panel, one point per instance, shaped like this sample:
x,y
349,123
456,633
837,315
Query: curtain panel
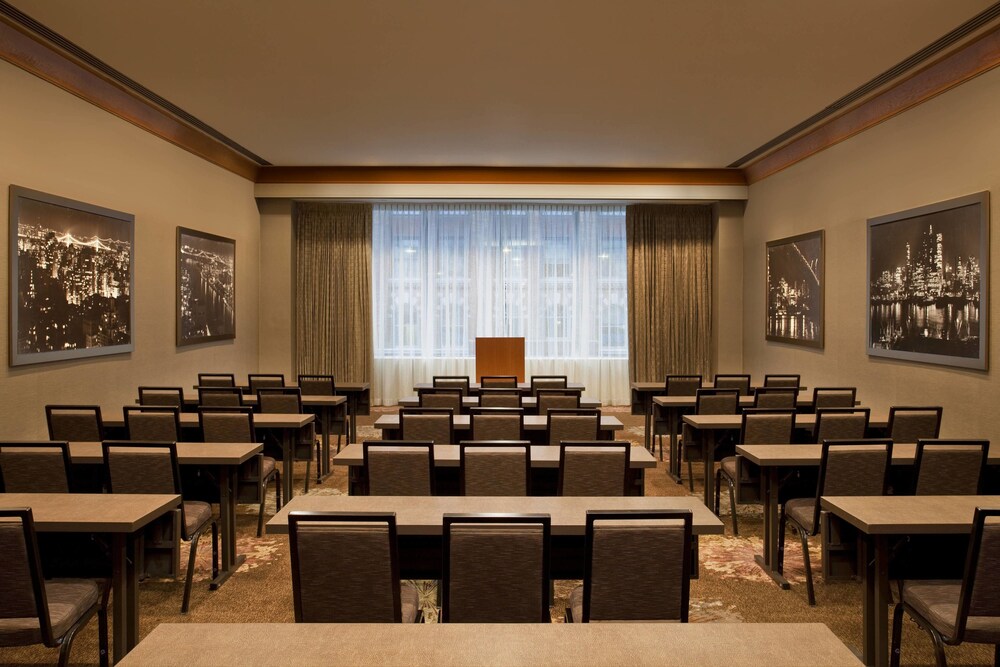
x,y
669,290
333,305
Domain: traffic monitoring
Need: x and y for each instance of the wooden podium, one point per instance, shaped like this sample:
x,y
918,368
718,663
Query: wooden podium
x,y
500,356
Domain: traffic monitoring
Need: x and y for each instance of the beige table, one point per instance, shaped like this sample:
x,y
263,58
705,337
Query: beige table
x,y
497,645
120,515
531,423
529,403
878,518
523,387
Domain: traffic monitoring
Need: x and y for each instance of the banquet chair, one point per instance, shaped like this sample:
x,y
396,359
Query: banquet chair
x,y
230,397
288,401
547,382
398,467
451,382
707,402
675,385
580,424
152,423
257,381
494,467
35,467
950,467
841,424
499,398
497,423
834,397
562,399
442,397
75,423
782,380
498,382
909,424
216,380
168,396
775,398
733,381
434,424
593,468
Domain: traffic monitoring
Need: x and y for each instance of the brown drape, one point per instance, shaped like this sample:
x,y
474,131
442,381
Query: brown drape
x,y
669,290
333,309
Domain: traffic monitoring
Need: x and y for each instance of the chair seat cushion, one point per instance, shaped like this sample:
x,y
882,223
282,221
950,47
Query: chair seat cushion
x,y
268,466
410,602
68,600
937,601
728,466
802,511
196,515
576,604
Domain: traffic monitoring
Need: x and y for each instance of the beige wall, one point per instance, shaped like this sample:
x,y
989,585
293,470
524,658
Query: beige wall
x,y
727,296
947,147
277,287
54,142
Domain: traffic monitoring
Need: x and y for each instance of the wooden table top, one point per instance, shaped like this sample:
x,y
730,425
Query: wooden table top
x,y
531,422
903,453
260,420
521,386
308,400
529,402
498,645
422,515
188,453
350,387
447,456
808,421
91,512
654,386
901,515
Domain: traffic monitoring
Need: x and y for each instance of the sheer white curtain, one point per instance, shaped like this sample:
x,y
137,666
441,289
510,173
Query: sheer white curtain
x,y
444,274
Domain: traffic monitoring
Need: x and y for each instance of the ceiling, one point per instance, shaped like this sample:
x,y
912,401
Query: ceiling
x,y
530,83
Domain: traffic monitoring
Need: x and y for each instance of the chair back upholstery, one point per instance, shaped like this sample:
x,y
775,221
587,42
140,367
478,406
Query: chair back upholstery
x,y
265,381
220,396
345,567
21,580
682,385
434,424
834,397
775,398
216,380
169,396
909,424
733,381
399,467
572,425
593,468
717,401
75,423
659,590
439,397
495,467
561,399
841,424
227,424
152,424
782,380
499,398
141,467
853,468
950,467
496,568
548,382
452,382
760,426
35,467
497,423
979,599
317,385
498,381
279,400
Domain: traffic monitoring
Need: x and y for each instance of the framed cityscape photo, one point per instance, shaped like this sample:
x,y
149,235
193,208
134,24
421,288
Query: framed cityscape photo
x,y
206,287
928,283
795,268
71,278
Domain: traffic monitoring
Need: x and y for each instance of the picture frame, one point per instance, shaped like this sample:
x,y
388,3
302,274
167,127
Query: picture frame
x,y
795,286
928,283
206,287
71,275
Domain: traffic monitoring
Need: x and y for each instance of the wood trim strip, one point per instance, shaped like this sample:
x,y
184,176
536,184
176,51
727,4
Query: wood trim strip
x,y
36,56
501,175
960,66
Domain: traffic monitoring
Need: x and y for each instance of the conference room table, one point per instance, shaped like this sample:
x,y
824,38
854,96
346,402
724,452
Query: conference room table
x,y
223,457
495,644
543,459
708,428
523,387
120,515
419,522
534,427
879,519
529,403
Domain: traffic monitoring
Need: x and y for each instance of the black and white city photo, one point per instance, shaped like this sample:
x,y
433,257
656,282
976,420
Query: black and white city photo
x,y
206,287
928,283
70,278
795,289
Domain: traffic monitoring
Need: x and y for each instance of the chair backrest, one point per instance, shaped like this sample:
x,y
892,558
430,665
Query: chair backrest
x,y
35,467
399,467
548,382
841,424
572,425
345,567
169,396
452,382
496,568
979,598
717,401
497,423
21,580
442,397
216,380
434,424
853,468
733,381
227,424
75,423
265,380
499,398
497,381
834,397
950,467
909,424
220,396
613,590
682,385
317,385
141,467
782,380
494,467
279,400
561,399
761,426
152,423
775,398
593,468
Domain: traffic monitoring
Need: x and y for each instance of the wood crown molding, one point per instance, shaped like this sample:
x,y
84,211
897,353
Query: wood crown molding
x,y
36,55
964,64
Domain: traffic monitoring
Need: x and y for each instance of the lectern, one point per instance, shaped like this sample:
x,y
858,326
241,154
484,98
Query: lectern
x,y
500,356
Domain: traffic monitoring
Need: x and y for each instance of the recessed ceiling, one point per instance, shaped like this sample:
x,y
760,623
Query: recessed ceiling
x,y
558,83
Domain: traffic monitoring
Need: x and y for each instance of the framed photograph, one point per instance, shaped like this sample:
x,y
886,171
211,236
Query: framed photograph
x,y
206,287
795,268
71,279
928,283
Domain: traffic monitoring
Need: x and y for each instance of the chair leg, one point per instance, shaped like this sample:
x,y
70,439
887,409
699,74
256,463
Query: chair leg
x,y
810,593
277,489
104,653
186,602
319,463
718,481
338,442
215,550
732,507
897,635
308,465
690,477
782,521
660,438
939,658
260,512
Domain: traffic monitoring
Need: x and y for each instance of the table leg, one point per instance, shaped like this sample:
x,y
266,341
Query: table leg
x,y
133,545
708,448
227,518
647,404
352,415
287,464
875,614
325,414
673,415
119,586
772,538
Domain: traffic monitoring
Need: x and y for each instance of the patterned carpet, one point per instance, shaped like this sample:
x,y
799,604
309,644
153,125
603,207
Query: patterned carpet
x,y
731,588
